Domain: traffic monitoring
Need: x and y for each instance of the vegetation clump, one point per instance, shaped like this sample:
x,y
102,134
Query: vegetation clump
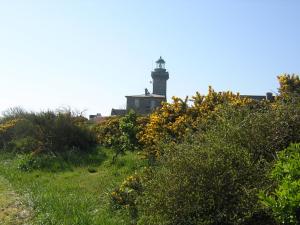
x,y
284,201
47,132
45,139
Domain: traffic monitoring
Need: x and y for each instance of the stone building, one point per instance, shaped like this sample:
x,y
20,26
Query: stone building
x,y
269,96
147,102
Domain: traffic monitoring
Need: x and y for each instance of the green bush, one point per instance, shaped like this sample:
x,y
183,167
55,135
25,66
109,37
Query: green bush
x,y
29,162
210,183
126,195
284,201
120,133
62,161
48,132
108,131
129,129
23,145
200,179
263,131
58,132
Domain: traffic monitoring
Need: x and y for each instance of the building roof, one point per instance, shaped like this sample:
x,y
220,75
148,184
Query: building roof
x,y
160,60
146,96
254,97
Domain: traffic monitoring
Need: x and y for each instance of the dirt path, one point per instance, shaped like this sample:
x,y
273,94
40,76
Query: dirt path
x,y
12,210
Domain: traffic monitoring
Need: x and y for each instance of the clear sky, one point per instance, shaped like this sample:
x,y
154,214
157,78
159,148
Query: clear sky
x,y
89,54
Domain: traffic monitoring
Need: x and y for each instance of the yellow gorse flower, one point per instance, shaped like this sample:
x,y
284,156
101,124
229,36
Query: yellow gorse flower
x,y
173,120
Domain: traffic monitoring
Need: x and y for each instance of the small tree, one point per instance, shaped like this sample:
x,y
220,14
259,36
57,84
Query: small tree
x,y
127,141
129,130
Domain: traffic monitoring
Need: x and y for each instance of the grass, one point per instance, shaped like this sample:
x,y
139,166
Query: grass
x,y
12,211
77,195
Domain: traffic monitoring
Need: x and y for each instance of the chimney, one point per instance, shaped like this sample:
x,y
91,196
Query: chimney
x,y
146,91
269,96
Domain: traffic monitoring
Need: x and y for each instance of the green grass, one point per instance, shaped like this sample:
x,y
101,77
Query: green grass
x,y
12,211
77,195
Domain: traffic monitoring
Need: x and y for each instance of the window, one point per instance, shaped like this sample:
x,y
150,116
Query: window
x,y
136,103
152,104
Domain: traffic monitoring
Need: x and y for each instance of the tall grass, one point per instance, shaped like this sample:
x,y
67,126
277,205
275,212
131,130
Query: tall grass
x,y
72,196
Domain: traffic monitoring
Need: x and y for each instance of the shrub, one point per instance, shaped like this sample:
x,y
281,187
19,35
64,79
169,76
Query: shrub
x,y
126,195
6,131
46,132
120,133
284,201
129,128
200,178
203,183
175,120
29,162
263,132
108,131
23,145
289,85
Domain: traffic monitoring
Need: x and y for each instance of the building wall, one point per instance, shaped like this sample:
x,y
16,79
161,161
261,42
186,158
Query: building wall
x,y
160,86
143,105
160,77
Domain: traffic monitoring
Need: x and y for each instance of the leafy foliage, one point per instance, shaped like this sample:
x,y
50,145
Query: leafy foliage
x,y
263,132
289,85
6,128
108,131
126,194
285,200
46,138
129,129
202,183
239,145
120,133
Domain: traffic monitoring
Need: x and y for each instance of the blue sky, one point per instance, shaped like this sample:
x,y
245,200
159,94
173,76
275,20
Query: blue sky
x,y
89,54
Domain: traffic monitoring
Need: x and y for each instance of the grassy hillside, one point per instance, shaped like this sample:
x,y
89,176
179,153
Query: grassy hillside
x,y
77,195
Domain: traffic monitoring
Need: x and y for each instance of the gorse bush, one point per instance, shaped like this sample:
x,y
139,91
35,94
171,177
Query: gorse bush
x,y
129,128
62,132
120,133
108,131
126,195
214,177
289,86
263,132
6,131
175,120
47,132
203,183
